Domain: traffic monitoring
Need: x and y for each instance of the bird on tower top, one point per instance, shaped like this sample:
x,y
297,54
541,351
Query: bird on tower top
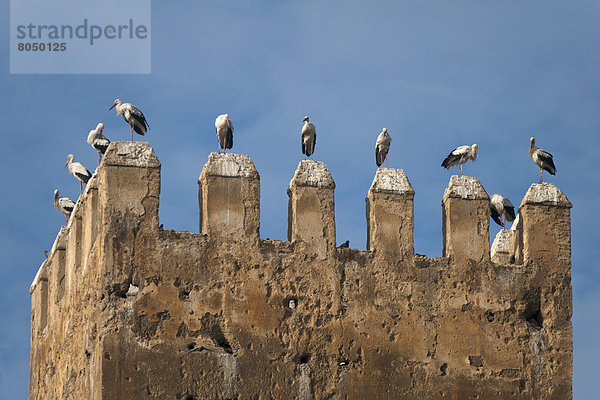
x,y
64,205
98,141
308,138
541,158
78,171
224,129
459,156
382,146
133,116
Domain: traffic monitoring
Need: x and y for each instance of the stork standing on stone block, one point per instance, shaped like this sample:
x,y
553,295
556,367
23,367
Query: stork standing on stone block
x,y
459,156
308,138
541,158
78,171
64,205
133,116
382,146
224,129
501,210
97,140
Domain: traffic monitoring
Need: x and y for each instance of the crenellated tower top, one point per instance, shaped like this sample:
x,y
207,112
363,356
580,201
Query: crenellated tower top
x,y
122,306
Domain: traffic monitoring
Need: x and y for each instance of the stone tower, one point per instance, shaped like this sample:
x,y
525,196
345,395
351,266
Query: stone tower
x,y
122,309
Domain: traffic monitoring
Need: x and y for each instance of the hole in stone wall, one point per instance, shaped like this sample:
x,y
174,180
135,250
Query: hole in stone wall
x,y
120,289
290,302
184,294
535,319
532,312
443,369
302,358
489,316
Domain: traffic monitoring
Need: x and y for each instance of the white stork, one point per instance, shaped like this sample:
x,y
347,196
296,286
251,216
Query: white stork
x,y
78,171
97,140
224,129
382,146
309,138
64,205
133,116
459,156
541,158
501,209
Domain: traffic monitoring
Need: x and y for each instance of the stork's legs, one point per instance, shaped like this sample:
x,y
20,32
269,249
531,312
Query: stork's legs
x,y
132,133
66,220
80,187
460,169
541,170
99,158
312,149
386,161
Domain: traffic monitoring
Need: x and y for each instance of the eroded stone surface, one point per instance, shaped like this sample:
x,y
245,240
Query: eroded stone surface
x,y
131,154
390,180
229,165
465,187
545,193
312,173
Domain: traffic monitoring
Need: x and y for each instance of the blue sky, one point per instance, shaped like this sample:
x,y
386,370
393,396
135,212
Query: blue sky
x,y
436,74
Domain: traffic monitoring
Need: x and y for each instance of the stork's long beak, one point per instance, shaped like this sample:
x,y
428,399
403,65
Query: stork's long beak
x,y
111,107
67,163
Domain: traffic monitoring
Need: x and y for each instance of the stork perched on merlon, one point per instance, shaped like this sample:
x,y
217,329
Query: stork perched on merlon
x,y
98,141
382,146
224,129
541,158
78,171
459,156
133,116
501,210
64,205
308,138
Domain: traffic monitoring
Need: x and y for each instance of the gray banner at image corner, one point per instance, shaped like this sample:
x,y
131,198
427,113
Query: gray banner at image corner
x,y
80,37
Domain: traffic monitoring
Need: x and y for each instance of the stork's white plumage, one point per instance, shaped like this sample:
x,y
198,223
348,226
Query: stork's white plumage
x,y
308,138
382,146
501,209
133,116
64,205
459,156
97,140
78,171
224,129
541,158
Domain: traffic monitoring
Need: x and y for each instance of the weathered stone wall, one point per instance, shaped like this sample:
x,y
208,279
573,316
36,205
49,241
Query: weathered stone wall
x,y
119,303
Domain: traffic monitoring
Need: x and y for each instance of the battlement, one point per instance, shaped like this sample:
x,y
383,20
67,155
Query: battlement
x,y
119,303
